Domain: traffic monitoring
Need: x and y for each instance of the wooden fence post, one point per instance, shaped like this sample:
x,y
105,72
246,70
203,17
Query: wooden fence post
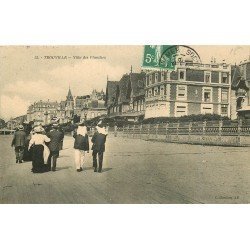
x,y
148,130
239,132
140,131
204,131
177,130
167,125
204,127
156,130
189,131
220,127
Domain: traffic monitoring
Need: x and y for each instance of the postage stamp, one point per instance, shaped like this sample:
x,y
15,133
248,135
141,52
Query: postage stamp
x,y
165,57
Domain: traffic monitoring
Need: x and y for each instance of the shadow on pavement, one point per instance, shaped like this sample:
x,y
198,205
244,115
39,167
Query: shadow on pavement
x,y
61,168
91,168
106,169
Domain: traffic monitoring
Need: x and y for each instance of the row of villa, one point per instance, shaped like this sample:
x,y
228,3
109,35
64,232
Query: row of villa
x,y
192,89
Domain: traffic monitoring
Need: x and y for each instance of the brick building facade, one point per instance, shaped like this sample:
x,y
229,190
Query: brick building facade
x,y
191,89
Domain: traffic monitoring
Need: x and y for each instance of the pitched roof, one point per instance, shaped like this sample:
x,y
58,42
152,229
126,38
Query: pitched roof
x,y
111,92
235,75
124,89
237,79
137,83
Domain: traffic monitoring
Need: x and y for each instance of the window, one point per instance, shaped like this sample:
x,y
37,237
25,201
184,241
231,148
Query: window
x,y
224,110
207,95
156,77
180,109
150,79
162,90
207,77
182,92
224,96
206,109
181,75
224,78
163,75
156,91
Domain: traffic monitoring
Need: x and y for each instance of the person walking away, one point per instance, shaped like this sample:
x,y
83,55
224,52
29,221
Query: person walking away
x,y
81,146
18,142
27,129
56,137
39,150
98,147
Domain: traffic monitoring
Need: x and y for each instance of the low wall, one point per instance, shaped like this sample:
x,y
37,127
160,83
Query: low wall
x,y
223,140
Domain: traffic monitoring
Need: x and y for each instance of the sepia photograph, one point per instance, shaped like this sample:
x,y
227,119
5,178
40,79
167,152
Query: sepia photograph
x,y
125,124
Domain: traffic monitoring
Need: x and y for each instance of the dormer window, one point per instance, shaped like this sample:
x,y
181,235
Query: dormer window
x,y
182,75
224,78
207,77
156,77
150,79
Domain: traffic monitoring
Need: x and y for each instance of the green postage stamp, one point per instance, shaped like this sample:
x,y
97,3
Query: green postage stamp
x,y
159,57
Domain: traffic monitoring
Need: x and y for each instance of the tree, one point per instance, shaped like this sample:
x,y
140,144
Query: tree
x,y
2,123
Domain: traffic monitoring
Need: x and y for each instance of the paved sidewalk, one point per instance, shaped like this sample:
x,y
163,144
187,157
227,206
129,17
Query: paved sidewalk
x,y
135,171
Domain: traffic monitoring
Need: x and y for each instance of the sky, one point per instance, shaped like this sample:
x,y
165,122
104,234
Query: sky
x,y
28,74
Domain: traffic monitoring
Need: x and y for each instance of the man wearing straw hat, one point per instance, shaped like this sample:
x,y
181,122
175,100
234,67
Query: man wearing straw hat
x,y
18,142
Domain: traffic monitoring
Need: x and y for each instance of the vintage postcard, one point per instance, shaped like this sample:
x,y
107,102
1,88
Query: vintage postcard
x,y
148,124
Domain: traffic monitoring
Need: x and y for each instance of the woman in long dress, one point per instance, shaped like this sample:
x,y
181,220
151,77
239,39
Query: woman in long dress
x,y
39,150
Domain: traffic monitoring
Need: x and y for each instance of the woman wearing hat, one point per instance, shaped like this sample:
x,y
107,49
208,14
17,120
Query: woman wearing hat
x,y
40,151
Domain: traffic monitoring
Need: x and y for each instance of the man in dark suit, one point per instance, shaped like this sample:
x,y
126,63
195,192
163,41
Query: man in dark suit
x,y
98,147
56,138
18,142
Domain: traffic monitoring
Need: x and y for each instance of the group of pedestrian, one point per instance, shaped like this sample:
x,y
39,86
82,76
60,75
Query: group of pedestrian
x,y
43,147
81,146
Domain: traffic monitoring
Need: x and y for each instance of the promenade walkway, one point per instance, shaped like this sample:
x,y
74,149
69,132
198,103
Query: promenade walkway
x,y
135,171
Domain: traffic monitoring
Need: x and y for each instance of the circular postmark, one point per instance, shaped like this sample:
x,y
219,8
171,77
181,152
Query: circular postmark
x,y
172,55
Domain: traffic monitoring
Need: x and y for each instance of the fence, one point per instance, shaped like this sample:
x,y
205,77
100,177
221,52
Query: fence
x,y
231,133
